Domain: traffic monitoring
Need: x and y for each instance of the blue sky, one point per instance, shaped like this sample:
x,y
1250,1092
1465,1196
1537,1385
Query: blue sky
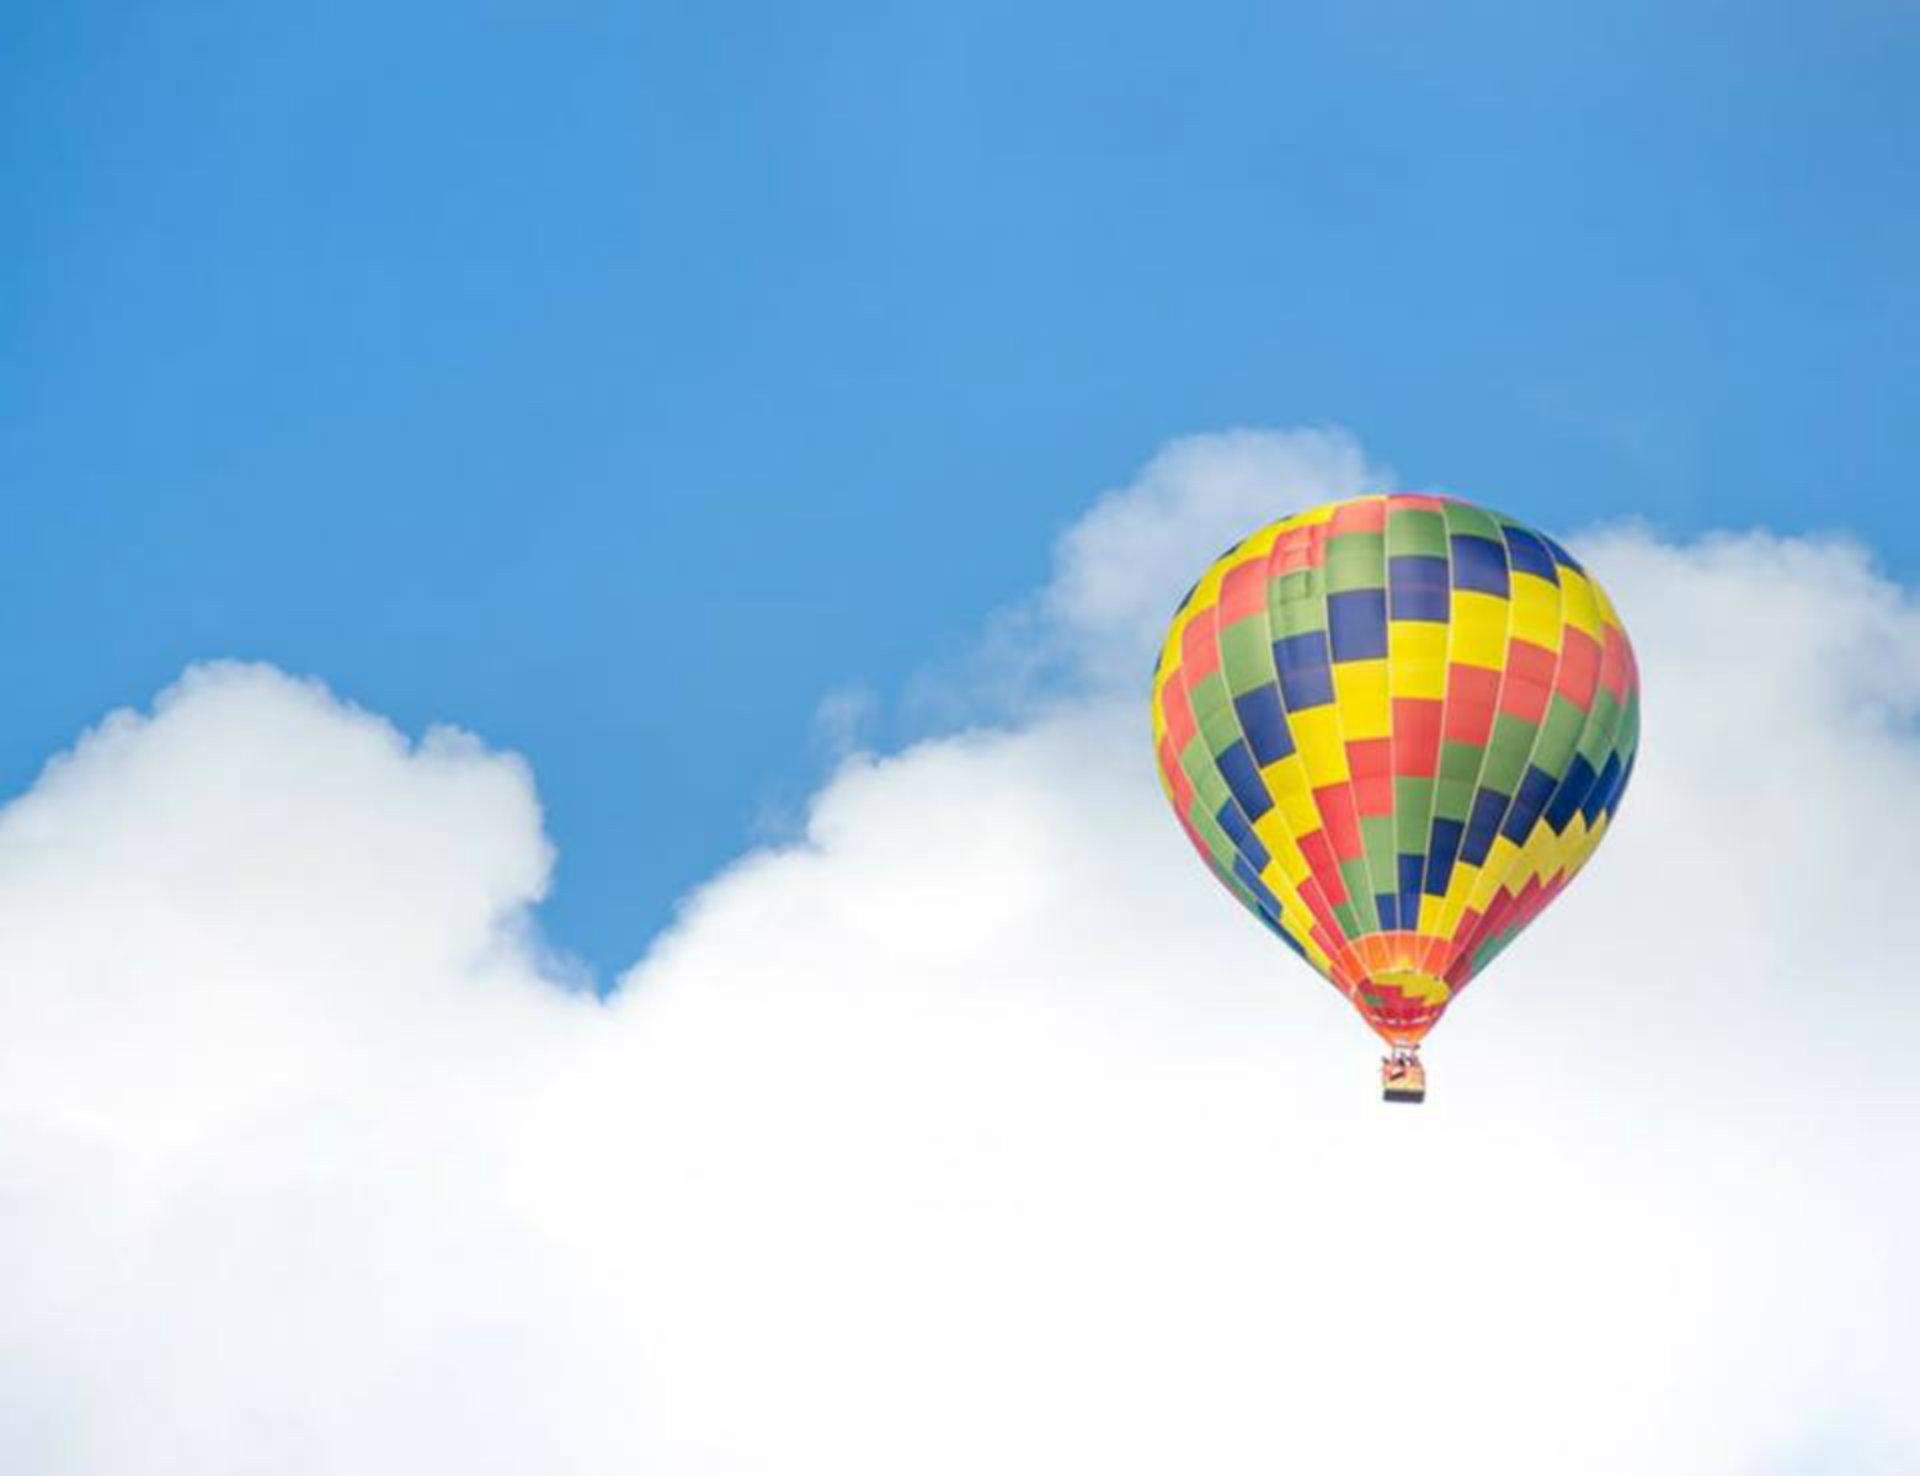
x,y
617,381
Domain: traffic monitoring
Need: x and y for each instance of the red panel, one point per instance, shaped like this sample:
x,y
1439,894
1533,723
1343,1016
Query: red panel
x,y
1416,736
1199,650
1462,956
1179,710
1340,819
1529,681
1471,693
1579,668
1369,515
1177,779
1422,501
1530,662
1318,851
1526,700
1371,761
1374,797
1613,664
1243,592
1316,897
1296,549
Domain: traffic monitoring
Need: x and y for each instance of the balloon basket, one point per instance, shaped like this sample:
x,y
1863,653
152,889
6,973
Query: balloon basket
x,y
1403,1078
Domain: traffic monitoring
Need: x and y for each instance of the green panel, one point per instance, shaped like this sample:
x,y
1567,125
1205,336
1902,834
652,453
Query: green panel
x,y
1299,584
1376,835
1246,655
1460,761
1453,798
1360,889
1558,735
1211,788
1412,814
1356,561
1463,519
1296,603
1221,728
1416,530
1299,617
1507,752
1219,844
1601,724
1209,695
1196,759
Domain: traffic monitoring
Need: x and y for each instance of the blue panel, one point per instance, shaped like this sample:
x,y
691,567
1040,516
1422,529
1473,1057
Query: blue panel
x,y
1243,778
1482,825
1416,571
1388,906
1250,879
1244,840
1412,870
1357,624
1536,788
1417,587
1529,555
1597,797
1614,778
1305,677
1561,556
1264,723
1479,563
1441,850
1571,794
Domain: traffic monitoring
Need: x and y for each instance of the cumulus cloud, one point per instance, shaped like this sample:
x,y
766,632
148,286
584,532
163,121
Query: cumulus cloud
x,y
974,1130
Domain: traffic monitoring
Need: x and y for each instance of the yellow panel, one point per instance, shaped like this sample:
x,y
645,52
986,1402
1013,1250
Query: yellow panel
x,y
1572,840
1460,886
1494,871
1276,881
1579,608
1285,776
1417,658
1537,856
1536,611
1303,815
1592,839
1316,733
1416,640
1276,834
1416,985
1607,614
1479,628
1360,691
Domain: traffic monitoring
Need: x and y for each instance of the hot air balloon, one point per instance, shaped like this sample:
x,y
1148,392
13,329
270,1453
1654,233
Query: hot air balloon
x,y
1395,727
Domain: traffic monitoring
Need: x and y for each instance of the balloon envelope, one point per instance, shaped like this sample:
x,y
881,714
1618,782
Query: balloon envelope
x,y
1395,727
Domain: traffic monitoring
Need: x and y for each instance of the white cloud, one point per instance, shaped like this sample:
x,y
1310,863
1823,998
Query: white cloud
x,y
975,1132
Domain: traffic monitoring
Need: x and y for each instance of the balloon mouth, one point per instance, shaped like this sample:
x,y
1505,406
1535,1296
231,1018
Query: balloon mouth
x,y
1402,1003
1416,984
